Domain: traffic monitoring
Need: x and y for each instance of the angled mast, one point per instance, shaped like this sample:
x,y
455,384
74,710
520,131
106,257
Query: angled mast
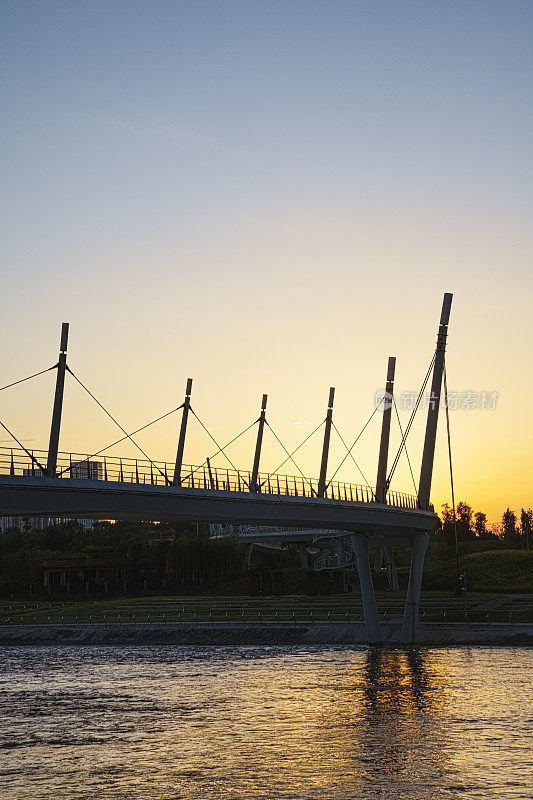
x,y
426,471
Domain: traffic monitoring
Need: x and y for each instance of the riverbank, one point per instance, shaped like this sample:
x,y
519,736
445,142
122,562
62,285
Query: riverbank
x,y
224,634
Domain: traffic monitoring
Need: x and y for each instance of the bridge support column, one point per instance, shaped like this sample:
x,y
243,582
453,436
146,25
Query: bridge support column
x,y
381,480
412,601
325,447
248,555
51,464
392,575
183,430
254,487
370,608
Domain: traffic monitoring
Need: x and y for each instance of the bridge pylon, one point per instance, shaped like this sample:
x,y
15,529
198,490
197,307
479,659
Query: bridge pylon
x,y
381,481
321,491
183,430
254,486
426,470
55,428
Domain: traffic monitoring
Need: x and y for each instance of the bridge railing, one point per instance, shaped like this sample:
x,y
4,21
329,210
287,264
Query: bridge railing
x,y
15,461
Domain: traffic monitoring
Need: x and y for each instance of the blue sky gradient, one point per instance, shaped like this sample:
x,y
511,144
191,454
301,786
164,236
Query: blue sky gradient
x,y
272,196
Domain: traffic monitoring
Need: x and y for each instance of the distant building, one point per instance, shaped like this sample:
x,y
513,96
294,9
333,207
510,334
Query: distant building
x,y
88,470
91,470
35,523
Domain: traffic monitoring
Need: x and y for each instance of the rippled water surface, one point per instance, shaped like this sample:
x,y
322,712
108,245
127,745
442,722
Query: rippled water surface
x,y
244,722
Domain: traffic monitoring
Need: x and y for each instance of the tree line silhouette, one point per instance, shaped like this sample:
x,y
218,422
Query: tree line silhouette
x,y
124,556
138,557
516,531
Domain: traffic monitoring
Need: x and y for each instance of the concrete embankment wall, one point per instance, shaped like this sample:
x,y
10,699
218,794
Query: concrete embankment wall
x,y
224,634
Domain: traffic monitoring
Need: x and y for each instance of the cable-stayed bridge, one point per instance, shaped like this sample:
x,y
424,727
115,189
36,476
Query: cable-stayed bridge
x,y
343,518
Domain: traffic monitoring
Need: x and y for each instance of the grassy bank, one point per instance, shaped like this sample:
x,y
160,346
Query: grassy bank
x,y
435,606
487,571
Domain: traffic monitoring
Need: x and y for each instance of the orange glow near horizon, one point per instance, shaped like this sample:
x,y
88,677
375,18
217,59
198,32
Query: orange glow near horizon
x,y
485,480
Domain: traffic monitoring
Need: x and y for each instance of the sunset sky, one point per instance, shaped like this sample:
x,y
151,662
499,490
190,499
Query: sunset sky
x,y
271,197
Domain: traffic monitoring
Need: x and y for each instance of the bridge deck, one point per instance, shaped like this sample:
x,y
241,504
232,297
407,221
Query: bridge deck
x,y
120,488
98,499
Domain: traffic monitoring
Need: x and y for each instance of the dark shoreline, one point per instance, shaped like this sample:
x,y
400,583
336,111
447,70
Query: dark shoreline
x,y
226,634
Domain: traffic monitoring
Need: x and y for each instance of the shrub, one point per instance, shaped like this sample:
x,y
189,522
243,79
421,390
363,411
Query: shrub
x,y
499,570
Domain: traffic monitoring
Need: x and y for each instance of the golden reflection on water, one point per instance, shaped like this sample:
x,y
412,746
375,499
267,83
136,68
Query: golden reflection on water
x,y
263,724
400,683
386,725
400,716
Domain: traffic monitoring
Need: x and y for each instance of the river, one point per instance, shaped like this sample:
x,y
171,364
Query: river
x,y
264,723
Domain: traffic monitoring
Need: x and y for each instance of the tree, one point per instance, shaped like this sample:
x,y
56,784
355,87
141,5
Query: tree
x,y
510,531
480,526
447,523
464,521
526,526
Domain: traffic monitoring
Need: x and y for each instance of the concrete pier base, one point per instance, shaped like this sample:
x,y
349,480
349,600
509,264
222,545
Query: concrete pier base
x,y
412,601
370,608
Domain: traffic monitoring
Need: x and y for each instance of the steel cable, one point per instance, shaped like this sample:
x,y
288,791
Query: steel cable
x,y
300,445
406,452
349,453
411,419
8,385
355,442
111,417
220,449
118,441
33,459
289,455
451,476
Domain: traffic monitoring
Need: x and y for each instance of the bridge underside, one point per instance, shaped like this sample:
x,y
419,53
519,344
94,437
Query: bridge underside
x,y
57,497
